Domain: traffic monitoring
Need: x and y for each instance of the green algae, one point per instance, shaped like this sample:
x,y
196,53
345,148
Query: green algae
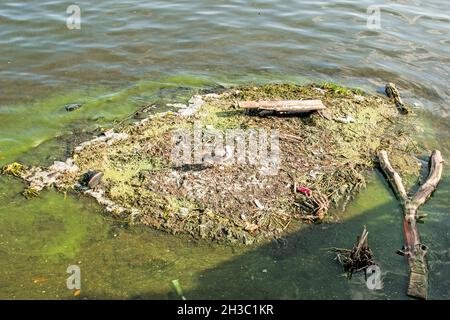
x,y
101,109
52,225
16,169
30,192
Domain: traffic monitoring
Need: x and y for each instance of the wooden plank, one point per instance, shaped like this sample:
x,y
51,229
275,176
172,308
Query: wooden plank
x,y
284,105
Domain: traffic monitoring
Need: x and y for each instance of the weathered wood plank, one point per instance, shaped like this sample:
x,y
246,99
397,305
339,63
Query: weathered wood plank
x,y
284,105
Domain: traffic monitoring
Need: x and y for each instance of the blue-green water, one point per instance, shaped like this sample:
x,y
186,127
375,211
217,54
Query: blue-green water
x,y
139,52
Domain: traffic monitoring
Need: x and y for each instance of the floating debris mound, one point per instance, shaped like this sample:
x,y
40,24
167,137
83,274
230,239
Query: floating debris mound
x,y
323,158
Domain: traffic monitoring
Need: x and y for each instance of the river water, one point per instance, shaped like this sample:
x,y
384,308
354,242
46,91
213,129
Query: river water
x,y
136,52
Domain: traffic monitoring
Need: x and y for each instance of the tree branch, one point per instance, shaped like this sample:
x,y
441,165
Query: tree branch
x,y
393,177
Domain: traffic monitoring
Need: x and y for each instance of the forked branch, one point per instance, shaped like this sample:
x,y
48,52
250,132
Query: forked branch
x,y
413,249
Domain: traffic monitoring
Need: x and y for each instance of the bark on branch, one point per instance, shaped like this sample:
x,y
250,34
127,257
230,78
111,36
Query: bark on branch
x,y
425,190
393,177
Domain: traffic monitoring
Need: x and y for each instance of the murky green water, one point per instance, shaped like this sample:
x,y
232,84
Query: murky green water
x,y
140,52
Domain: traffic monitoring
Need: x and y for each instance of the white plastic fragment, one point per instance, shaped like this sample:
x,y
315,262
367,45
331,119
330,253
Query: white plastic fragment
x,y
258,204
347,119
195,103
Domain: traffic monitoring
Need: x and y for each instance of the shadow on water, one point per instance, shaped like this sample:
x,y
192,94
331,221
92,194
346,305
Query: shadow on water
x,y
300,266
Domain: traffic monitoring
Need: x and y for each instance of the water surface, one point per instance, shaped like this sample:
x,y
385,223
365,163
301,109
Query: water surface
x,y
138,52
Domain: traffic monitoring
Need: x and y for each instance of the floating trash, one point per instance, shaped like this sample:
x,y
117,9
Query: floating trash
x,y
91,179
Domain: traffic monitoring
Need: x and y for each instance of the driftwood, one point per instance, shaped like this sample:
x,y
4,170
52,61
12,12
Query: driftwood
x,y
413,249
393,94
284,106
